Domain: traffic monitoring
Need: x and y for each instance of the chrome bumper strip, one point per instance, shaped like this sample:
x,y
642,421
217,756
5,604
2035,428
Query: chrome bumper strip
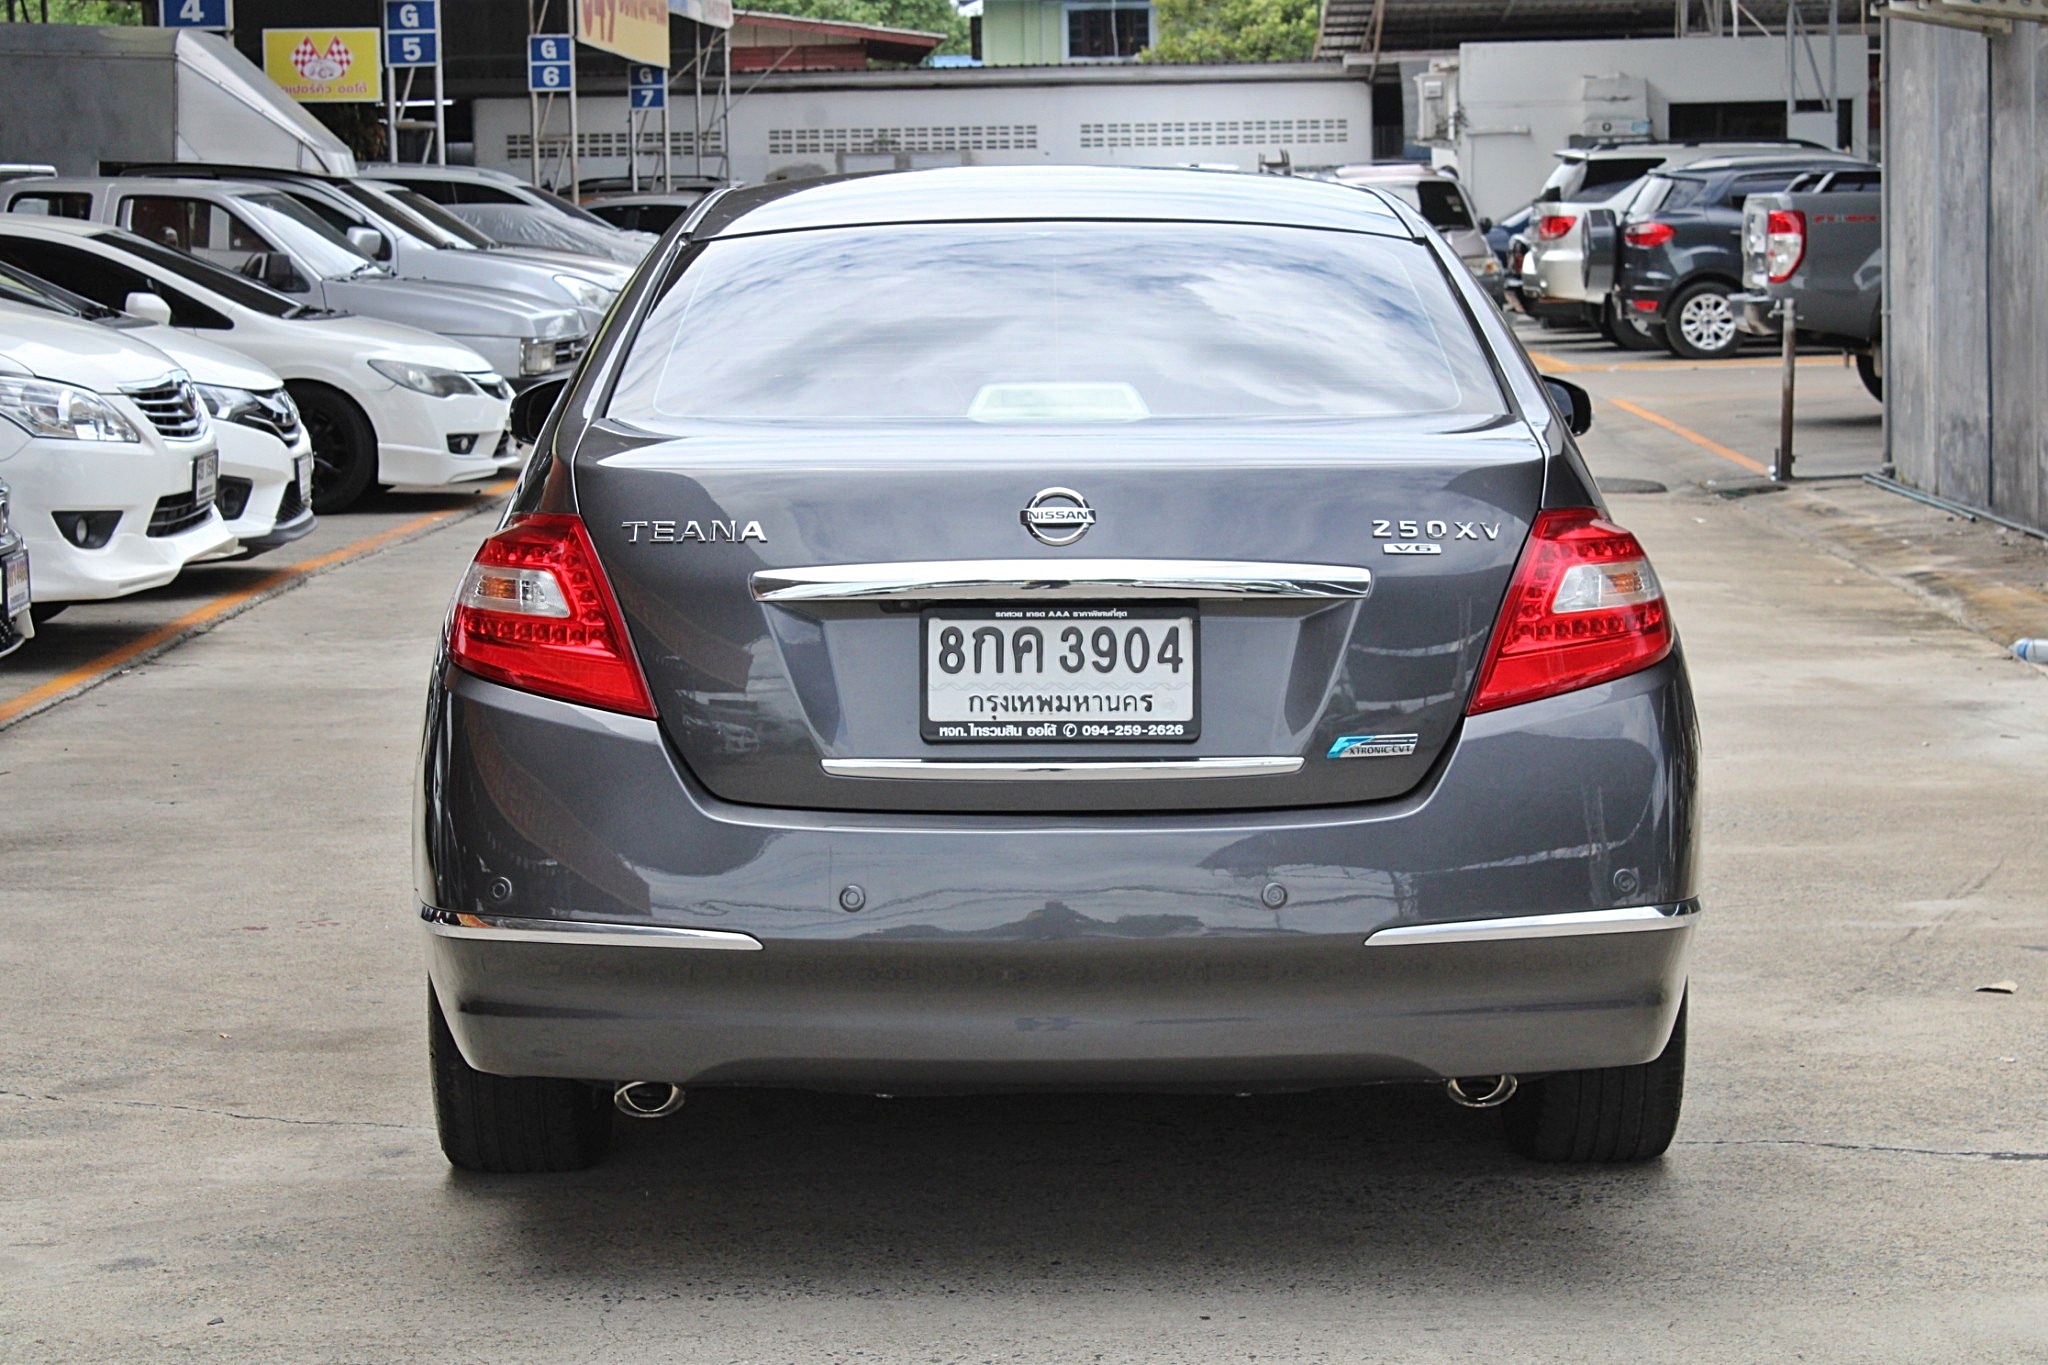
x,y
592,933
1634,919
1083,770
968,580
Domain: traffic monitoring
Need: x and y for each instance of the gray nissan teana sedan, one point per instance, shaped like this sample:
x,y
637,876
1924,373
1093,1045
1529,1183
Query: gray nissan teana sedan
x,y
995,629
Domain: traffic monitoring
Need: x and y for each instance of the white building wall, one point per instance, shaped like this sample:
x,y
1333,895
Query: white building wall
x,y
1522,101
1117,116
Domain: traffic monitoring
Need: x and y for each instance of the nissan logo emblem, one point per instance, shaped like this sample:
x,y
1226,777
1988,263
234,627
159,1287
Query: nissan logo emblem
x,y
1058,516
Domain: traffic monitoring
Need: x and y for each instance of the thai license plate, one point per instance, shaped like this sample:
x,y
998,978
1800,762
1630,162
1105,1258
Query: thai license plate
x,y
205,478
305,464
1060,675
14,574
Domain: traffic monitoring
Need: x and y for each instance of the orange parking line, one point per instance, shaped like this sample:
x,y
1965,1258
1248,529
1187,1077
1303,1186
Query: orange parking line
x,y
1711,446
106,664
1547,363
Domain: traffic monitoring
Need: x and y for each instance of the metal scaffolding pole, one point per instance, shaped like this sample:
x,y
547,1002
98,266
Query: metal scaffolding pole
x,y
697,94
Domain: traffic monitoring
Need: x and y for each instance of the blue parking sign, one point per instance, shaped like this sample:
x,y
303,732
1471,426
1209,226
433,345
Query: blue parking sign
x,y
197,14
412,16
411,49
550,64
647,87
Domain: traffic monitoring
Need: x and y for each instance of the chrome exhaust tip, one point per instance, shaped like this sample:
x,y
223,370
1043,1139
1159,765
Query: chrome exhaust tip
x,y
1502,1091
647,1099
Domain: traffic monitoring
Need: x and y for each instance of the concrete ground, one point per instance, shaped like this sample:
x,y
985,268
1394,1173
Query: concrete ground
x,y
215,1139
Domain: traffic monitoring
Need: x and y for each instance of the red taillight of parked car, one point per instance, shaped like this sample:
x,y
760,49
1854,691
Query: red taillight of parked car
x,y
1784,243
1554,225
1584,607
1648,234
535,612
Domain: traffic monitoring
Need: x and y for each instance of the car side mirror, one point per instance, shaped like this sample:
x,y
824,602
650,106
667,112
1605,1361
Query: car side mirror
x,y
148,307
369,241
531,409
1574,404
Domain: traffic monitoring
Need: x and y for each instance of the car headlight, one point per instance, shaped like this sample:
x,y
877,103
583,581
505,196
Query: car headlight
x,y
64,412
424,378
228,405
536,355
587,293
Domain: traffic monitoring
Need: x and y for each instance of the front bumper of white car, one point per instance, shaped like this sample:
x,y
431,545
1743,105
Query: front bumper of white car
x,y
105,519
429,441
265,486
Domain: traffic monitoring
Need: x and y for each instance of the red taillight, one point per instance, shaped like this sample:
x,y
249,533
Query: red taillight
x,y
1584,607
1784,243
536,613
1553,226
1648,234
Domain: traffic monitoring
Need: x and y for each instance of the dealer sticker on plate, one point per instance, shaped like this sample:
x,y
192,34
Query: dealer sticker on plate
x,y
1060,674
14,571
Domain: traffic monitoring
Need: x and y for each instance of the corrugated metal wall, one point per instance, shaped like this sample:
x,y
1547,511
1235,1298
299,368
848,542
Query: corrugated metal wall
x,y
1966,270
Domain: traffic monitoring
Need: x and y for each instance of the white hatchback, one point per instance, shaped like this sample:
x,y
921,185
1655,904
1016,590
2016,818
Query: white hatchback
x,y
383,403
110,455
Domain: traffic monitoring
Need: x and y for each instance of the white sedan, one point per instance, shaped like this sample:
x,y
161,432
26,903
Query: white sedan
x,y
382,403
110,457
266,461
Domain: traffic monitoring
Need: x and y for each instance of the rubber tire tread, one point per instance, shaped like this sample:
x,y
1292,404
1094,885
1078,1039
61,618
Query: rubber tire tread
x,y
1866,370
1609,1114
341,493
511,1125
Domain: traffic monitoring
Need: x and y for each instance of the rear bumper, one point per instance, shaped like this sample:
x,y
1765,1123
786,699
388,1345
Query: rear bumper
x,y
1268,1011
1016,951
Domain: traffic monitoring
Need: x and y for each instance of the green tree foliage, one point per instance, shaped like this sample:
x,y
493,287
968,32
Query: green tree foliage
x,y
930,16
72,11
1232,31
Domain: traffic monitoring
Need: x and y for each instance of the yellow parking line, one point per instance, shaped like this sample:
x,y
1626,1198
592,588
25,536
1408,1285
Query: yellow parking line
x,y
1704,443
98,670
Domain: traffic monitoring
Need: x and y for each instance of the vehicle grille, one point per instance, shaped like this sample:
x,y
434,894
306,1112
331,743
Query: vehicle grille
x,y
178,512
292,503
278,416
171,407
498,388
570,351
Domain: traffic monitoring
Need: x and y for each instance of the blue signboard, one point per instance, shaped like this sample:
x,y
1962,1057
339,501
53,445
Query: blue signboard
x,y
198,14
647,87
412,16
550,63
411,49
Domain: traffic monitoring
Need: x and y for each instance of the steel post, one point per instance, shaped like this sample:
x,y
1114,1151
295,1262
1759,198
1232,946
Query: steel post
x,y
1781,465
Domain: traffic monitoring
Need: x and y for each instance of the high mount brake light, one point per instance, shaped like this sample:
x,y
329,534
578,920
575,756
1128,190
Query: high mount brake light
x,y
1584,607
1554,225
535,612
1784,243
1648,234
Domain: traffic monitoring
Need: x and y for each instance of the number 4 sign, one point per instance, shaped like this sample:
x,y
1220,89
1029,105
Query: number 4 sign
x,y
217,14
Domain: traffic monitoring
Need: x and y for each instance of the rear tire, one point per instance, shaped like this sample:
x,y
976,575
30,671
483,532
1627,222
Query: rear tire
x,y
1870,369
1700,322
511,1125
1612,1114
344,446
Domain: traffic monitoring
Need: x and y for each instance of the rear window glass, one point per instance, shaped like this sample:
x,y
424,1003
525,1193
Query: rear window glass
x,y
1069,322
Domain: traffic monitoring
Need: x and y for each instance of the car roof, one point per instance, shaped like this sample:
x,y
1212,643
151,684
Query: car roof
x,y
54,226
1041,193
682,198
1832,161
1618,150
1393,172
145,182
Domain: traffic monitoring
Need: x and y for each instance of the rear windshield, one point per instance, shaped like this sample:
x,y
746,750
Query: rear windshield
x,y
1438,201
1062,323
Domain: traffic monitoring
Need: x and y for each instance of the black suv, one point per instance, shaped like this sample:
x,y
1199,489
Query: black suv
x,y
1679,248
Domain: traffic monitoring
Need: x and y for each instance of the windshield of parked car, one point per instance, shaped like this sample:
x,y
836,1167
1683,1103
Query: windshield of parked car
x,y
162,260
580,214
302,233
447,228
1068,322
19,287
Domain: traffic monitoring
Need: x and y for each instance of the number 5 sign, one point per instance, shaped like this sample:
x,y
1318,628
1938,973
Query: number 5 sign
x,y
412,35
198,14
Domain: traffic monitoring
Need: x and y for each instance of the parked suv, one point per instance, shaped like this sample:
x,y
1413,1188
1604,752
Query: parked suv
x,y
1560,279
1680,246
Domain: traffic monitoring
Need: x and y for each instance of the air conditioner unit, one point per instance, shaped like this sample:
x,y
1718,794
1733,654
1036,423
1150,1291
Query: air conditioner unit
x,y
1436,95
1613,107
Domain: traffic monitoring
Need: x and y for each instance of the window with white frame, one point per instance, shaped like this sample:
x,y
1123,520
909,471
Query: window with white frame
x,y
1107,33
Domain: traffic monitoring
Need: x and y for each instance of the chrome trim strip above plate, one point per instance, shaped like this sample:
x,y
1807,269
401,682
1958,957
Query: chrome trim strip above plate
x,y
590,933
1080,770
1633,919
967,580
